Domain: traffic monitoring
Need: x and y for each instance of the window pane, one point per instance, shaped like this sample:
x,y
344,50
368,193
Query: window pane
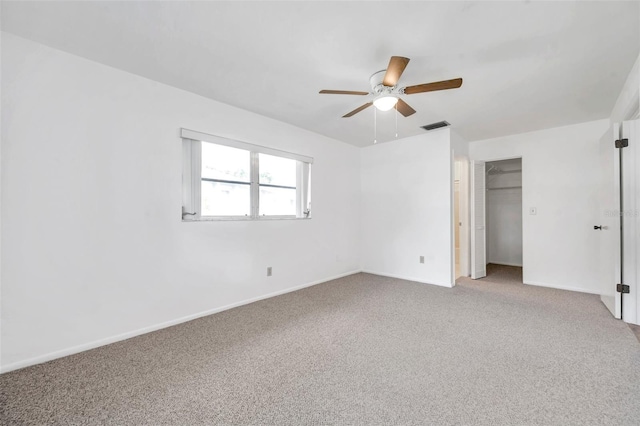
x,y
277,170
277,201
225,199
226,163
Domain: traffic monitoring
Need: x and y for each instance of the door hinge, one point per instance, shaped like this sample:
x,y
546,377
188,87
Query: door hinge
x,y
622,143
622,288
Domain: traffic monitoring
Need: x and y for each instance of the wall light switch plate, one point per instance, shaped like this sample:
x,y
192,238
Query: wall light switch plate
x,y
269,271
421,259
533,210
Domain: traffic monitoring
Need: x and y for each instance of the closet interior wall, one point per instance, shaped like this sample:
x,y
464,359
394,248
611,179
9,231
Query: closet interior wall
x,y
504,212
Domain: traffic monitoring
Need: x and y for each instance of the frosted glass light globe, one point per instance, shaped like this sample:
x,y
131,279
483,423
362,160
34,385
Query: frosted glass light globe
x,y
385,103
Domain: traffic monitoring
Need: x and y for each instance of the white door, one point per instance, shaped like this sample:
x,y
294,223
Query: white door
x,y
464,218
608,226
629,217
478,231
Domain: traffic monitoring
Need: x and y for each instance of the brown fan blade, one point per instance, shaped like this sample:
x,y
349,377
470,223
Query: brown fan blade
x,y
357,110
342,92
404,108
432,87
396,67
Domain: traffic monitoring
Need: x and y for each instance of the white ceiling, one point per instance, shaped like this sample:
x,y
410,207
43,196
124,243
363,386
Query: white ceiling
x,y
526,65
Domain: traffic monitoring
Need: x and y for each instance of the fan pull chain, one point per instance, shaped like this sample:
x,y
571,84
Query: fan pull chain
x,y
396,120
375,125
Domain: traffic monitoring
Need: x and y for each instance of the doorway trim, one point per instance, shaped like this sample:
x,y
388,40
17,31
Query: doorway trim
x,y
472,246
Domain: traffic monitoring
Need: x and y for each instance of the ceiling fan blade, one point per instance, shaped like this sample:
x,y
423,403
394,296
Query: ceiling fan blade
x,y
357,110
342,92
404,108
396,67
432,87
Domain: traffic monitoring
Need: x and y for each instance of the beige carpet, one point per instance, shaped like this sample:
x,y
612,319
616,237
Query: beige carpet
x,y
363,350
513,275
503,274
636,330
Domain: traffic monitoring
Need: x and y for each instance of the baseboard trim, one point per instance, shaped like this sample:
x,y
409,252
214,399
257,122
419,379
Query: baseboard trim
x,y
559,287
128,335
405,277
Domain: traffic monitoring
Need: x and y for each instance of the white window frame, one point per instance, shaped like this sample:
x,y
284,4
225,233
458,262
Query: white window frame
x,y
192,179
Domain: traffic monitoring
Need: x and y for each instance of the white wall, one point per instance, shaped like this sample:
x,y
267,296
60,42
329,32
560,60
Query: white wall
x,y
504,219
407,208
560,179
93,248
459,145
627,105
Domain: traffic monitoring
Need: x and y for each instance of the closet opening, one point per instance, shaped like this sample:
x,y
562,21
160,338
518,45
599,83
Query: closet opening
x,y
503,212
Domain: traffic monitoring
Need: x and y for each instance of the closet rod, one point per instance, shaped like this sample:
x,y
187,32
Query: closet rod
x,y
505,187
502,172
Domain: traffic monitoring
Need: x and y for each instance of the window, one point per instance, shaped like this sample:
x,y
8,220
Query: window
x,y
227,179
278,185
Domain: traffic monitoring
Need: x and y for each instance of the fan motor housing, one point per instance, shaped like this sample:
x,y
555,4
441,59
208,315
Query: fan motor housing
x,y
376,84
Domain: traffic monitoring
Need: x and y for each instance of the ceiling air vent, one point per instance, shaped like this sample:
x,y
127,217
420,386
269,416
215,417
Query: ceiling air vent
x,y
437,125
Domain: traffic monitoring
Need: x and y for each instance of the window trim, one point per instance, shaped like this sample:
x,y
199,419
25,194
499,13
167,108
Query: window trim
x,y
219,140
192,179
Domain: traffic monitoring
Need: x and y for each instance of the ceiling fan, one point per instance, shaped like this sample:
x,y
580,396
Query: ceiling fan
x,y
384,86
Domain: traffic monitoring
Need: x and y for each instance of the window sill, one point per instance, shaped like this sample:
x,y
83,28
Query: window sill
x,y
244,219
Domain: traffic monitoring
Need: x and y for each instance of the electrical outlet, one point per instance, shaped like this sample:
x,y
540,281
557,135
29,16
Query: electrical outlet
x,y
421,259
269,271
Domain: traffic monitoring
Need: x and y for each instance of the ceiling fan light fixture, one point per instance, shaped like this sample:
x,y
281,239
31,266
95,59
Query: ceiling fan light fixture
x,y
385,103
387,92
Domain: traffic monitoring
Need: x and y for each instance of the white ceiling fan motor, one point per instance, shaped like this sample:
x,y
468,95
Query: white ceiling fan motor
x,y
377,88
